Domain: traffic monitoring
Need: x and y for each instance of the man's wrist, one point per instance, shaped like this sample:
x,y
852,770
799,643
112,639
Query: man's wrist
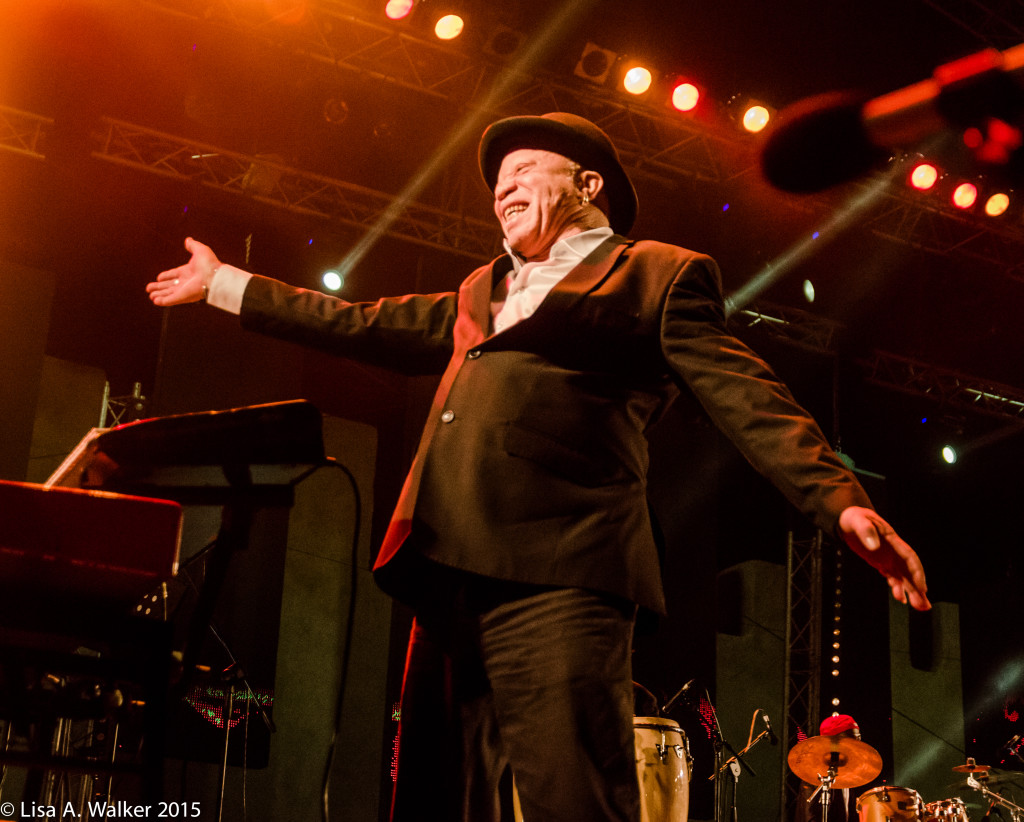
x,y
226,286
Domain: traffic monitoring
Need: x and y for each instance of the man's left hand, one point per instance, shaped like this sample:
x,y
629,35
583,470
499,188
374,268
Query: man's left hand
x,y
873,539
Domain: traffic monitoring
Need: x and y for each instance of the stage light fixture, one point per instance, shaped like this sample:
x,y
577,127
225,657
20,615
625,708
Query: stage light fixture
x,y
449,27
924,176
332,281
595,63
399,9
335,111
755,118
504,42
685,96
749,114
637,80
949,454
997,203
964,196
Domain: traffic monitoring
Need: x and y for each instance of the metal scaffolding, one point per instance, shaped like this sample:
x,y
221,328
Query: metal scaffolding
x,y
995,22
653,140
802,685
946,387
268,181
23,133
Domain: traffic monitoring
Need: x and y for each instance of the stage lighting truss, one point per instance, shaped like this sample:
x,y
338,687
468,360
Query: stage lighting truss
x,y
653,139
266,180
23,133
975,195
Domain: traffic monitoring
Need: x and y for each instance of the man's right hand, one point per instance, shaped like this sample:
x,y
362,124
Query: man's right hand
x,y
187,283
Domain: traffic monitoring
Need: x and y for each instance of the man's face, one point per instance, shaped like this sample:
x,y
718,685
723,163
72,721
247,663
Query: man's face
x,y
536,201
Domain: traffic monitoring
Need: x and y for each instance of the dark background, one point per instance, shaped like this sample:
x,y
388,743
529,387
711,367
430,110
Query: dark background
x,y
237,76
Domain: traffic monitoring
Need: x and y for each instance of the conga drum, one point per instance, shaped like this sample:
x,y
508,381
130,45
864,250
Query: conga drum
x,y
889,803
662,769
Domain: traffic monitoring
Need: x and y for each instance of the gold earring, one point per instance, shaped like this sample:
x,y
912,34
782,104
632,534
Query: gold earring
x,y
586,198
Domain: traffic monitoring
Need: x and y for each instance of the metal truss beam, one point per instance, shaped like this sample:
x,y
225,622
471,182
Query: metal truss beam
x,y
23,133
270,182
1000,23
791,326
652,140
802,684
267,181
649,139
946,387
907,219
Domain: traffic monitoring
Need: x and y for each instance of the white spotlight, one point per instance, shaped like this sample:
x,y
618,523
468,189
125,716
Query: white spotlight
x,y
332,281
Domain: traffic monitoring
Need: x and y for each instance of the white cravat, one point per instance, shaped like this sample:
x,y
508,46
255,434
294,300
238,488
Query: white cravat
x,y
528,283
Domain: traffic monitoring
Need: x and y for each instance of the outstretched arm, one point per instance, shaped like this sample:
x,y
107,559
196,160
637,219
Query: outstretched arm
x,y
187,283
873,539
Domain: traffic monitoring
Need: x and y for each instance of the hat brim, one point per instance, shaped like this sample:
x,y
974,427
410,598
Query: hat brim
x,y
547,134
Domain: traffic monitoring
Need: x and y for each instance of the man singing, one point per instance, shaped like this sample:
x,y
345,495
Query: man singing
x,y
522,537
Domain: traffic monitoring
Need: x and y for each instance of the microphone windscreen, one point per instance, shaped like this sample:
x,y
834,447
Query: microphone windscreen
x,y
819,142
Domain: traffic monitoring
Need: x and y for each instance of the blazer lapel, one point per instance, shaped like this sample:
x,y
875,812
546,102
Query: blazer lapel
x,y
590,273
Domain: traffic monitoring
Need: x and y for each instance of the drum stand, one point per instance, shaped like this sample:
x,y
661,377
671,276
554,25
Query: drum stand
x,y
1016,811
825,786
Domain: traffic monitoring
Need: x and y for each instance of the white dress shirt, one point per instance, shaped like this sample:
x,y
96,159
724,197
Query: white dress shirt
x,y
528,283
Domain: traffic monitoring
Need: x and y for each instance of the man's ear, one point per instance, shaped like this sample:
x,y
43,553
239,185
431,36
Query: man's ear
x,y
590,183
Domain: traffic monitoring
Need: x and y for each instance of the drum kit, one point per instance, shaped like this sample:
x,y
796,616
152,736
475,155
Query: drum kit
x,y
664,769
833,762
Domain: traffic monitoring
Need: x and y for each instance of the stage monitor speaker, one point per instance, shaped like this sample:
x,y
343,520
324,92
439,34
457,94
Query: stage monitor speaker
x,y
26,296
281,775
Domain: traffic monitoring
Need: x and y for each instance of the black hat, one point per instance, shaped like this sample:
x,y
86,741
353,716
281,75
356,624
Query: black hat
x,y
573,137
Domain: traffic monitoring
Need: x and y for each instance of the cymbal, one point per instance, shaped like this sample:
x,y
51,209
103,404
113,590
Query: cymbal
x,y
857,763
994,778
970,767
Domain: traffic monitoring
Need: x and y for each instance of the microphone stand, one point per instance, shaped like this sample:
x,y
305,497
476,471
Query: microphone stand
x,y
720,744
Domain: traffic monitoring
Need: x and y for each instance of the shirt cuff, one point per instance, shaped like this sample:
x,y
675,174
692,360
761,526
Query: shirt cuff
x,y
227,287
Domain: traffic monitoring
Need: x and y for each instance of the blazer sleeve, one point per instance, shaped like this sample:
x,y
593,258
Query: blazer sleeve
x,y
411,335
747,401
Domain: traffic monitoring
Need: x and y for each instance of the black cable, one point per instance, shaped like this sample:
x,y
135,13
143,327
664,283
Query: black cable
x,y
346,651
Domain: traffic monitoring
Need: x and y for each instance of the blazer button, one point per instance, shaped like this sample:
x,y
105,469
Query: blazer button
x,y
473,353
448,416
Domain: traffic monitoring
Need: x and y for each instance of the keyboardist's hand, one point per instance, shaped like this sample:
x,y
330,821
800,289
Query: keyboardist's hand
x,y
187,283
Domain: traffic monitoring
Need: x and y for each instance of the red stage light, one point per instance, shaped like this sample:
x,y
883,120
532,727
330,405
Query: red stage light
x,y
685,97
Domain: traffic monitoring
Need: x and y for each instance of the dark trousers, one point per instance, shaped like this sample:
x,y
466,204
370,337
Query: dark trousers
x,y
535,681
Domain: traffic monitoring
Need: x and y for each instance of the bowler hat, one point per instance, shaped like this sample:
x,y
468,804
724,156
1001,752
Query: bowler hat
x,y
573,137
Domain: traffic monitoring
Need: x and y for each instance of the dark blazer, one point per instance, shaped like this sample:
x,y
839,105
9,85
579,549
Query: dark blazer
x,y
532,465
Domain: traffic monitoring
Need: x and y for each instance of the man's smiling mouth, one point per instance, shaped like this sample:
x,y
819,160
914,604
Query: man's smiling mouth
x,y
513,210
